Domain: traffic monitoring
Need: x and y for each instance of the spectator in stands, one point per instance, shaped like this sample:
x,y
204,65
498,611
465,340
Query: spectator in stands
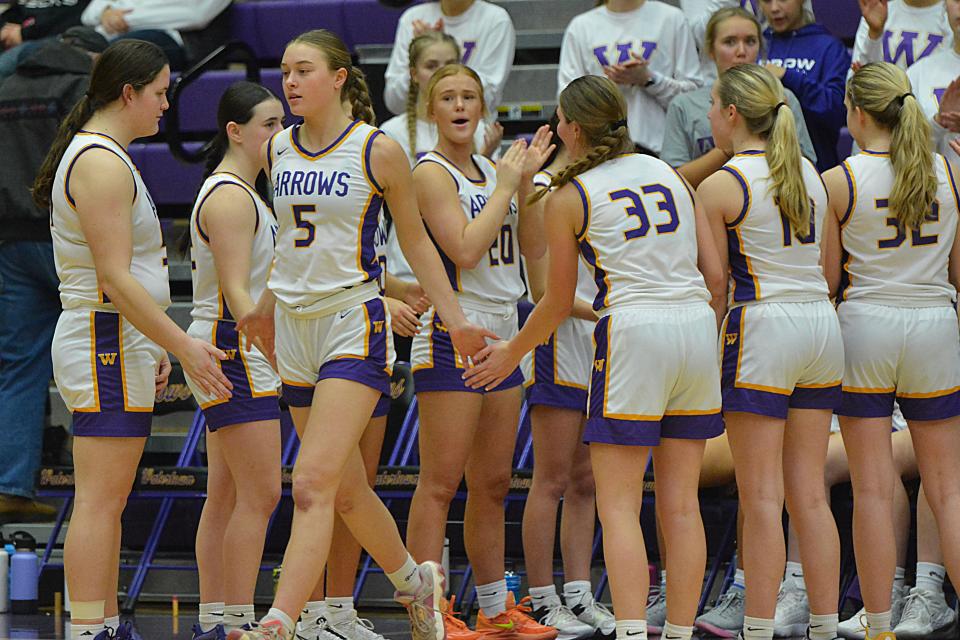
x,y
733,37
646,48
33,101
936,83
484,32
28,24
901,32
813,65
698,13
413,129
176,27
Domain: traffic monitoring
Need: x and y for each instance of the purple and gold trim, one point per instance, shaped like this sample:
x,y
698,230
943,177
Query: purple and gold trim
x,y
383,407
295,138
851,192
445,369
546,388
938,405
240,411
297,394
746,286
112,414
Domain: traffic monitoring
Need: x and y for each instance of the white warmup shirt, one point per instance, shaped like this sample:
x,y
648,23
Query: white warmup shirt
x,y
910,34
486,38
657,31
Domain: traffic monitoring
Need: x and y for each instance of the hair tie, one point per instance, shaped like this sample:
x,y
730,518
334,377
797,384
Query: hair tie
x,y
904,97
776,109
619,123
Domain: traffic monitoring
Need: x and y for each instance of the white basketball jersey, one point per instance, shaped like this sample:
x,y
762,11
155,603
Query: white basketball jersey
x,y
71,253
380,246
639,233
496,277
586,287
328,207
768,261
886,264
208,300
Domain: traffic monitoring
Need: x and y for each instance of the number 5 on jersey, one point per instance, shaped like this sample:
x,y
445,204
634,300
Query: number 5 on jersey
x,y
298,211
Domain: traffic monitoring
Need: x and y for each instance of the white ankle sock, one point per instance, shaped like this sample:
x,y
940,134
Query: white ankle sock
x,y
211,614
85,631
899,577
793,575
757,628
277,614
544,597
492,598
631,630
878,622
739,582
930,576
313,610
339,609
676,632
406,579
577,592
237,615
823,627
113,622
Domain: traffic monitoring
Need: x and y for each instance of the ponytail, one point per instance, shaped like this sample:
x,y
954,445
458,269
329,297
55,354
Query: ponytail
x,y
758,97
358,95
71,125
597,106
412,99
126,62
882,91
785,162
915,180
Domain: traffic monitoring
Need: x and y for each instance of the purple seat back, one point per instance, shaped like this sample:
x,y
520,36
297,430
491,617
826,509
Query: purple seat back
x,y
369,22
841,17
169,180
198,102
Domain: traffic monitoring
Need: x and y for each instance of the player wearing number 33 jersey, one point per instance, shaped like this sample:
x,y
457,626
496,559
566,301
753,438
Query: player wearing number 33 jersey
x,y
639,237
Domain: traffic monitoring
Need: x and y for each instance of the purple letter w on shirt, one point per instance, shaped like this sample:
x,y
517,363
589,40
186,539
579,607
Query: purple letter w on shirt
x,y
623,52
905,47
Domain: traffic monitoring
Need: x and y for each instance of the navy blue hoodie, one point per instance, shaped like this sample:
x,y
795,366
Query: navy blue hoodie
x,y
816,71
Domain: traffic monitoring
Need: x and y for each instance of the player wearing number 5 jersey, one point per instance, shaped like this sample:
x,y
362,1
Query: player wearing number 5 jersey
x,y
470,210
655,384
333,339
897,207
782,356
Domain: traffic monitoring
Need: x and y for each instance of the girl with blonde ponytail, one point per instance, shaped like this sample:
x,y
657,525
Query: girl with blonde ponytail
x,y
896,204
782,350
324,313
636,223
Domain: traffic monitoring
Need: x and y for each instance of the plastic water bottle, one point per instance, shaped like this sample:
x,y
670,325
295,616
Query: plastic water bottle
x,y
24,574
513,584
4,577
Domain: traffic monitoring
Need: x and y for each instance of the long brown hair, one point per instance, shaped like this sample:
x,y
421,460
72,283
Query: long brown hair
x,y
127,62
417,46
355,90
759,99
598,107
882,91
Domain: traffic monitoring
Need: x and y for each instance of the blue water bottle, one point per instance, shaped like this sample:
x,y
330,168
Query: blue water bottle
x,y
24,573
513,584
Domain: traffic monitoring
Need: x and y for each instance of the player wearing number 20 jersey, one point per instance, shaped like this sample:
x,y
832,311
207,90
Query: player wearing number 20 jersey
x,y
639,237
488,292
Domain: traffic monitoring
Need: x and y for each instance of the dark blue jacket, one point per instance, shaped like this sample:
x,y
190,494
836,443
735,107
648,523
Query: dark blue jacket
x,y
816,71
